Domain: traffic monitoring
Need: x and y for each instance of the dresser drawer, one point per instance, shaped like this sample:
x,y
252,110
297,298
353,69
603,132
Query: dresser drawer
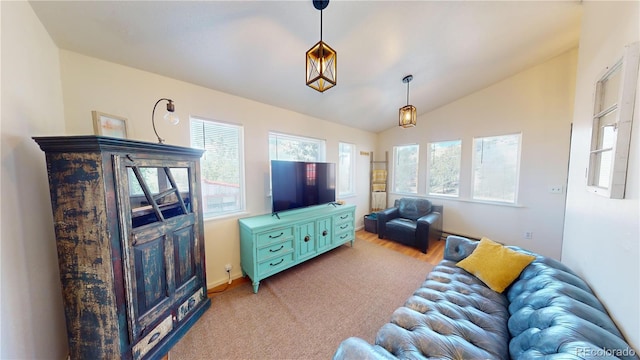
x,y
343,218
344,237
344,227
275,250
275,236
275,264
185,308
152,339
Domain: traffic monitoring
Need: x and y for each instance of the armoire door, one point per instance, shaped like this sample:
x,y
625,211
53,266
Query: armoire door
x,y
159,238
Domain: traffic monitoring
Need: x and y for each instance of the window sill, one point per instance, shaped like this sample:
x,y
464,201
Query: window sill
x,y
237,214
346,196
464,200
604,192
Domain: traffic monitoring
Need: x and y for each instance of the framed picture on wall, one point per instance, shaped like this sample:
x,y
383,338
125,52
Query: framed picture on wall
x,y
109,125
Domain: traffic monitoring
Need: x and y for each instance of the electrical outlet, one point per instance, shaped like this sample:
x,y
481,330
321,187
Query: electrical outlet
x,y
555,189
227,268
528,235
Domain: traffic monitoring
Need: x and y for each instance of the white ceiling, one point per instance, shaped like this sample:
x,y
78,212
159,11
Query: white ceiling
x,y
255,49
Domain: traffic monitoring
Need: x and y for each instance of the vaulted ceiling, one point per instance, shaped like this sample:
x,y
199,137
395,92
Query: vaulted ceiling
x,y
256,49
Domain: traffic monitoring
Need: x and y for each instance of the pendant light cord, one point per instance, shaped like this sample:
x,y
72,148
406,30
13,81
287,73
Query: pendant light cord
x,y
320,25
407,92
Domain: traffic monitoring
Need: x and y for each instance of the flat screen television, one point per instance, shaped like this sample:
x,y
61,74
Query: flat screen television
x,y
297,184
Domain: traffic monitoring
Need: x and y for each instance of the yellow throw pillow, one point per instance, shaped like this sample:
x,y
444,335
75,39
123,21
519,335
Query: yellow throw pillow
x,y
496,265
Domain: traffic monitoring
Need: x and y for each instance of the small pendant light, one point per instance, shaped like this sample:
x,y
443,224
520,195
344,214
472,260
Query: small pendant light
x,y
407,116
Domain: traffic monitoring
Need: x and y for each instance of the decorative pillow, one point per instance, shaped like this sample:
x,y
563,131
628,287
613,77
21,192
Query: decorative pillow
x,y
497,266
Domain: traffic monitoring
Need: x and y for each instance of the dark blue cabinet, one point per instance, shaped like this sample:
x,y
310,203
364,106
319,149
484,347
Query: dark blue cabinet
x,y
128,223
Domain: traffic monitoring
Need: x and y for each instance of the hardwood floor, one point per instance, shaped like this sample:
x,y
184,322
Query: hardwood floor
x,y
434,254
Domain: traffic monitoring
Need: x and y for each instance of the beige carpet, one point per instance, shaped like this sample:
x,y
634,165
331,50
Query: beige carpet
x,y
306,311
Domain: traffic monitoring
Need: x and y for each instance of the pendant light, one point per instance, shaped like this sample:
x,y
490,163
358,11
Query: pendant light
x,y
408,116
322,60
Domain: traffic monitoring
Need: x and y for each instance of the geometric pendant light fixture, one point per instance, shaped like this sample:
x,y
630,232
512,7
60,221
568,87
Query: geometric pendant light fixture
x,y
321,60
407,114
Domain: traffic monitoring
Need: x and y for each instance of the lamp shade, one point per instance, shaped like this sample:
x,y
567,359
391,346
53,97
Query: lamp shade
x,y
408,116
322,67
171,118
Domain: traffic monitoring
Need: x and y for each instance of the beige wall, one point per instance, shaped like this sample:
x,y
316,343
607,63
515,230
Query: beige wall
x,y
538,103
92,84
31,313
601,235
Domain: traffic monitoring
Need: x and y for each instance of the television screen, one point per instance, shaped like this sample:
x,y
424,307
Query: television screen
x,y
296,184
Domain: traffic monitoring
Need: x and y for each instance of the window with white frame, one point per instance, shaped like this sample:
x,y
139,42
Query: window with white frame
x,y
295,148
444,167
496,167
221,166
405,168
346,169
611,129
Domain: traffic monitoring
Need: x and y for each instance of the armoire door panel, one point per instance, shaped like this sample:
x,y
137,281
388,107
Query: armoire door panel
x,y
150,270
184,256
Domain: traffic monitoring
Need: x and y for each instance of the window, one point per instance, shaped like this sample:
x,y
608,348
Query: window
x,y
167,188
346,169
155,178
611,130
496,163
405,172
444,167
221,166
295,148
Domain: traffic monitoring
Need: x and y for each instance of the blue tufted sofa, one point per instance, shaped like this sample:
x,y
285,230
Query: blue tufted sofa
x,y
547,313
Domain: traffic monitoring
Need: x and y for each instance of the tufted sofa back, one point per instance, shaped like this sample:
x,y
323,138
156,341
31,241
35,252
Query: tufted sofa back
x,y
554,313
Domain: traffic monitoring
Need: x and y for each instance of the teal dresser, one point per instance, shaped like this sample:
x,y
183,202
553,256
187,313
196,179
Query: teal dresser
x,y
270,244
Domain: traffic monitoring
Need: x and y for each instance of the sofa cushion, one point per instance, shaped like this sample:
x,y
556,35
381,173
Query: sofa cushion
x,y
494,264
452,315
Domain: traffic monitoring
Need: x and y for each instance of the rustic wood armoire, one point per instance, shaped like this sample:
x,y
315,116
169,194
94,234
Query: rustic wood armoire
x,y
129,233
